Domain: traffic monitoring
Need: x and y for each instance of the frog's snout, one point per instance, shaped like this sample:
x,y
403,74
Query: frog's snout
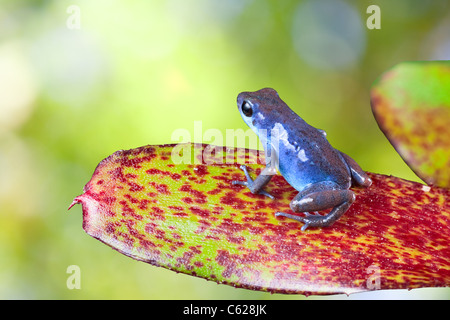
x,y
240,99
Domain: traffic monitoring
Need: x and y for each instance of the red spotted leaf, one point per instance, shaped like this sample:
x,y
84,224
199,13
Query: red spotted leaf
x,y
190,218
411,103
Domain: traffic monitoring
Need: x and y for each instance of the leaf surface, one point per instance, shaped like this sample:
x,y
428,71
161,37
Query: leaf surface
x,y
411,103
190,218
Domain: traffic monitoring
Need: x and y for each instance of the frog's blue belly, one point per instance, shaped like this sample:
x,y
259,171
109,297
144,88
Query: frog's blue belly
x,y
303,168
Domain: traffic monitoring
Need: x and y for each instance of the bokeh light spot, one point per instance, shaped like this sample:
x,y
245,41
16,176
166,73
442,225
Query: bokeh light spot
x,y
17,87
69,64
328,34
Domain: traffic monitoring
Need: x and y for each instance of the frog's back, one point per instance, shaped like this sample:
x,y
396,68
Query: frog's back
x,y
306,157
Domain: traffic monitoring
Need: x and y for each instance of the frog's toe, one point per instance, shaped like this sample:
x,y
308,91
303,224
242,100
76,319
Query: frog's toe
x,y
314,213
249,181
309,220
244,169
290,216
267,194
305,226
249,184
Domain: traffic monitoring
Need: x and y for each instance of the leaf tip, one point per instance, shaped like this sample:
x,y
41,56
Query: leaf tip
x,y
74,202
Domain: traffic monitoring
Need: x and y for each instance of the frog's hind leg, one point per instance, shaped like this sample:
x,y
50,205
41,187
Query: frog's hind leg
x,y
320,196
359,177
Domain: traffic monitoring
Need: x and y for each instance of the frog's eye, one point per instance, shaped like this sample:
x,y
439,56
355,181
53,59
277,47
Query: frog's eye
x,y
247,108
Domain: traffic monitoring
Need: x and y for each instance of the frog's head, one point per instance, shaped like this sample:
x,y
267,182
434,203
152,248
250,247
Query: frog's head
x,y
259,109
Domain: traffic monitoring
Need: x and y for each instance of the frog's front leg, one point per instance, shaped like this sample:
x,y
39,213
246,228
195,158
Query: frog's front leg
x,y
257,185
320,196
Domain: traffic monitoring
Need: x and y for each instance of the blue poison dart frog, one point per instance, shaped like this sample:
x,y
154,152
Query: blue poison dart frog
x,y
321,174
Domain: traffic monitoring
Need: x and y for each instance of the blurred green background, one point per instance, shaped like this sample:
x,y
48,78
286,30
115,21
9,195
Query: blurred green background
x,y
129,73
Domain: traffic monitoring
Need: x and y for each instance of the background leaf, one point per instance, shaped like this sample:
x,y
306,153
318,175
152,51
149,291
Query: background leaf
x,y
411,103
190,218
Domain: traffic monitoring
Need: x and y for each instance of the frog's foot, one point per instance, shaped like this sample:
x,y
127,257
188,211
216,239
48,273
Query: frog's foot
x,y
255,186
309,220
320,196
312,220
